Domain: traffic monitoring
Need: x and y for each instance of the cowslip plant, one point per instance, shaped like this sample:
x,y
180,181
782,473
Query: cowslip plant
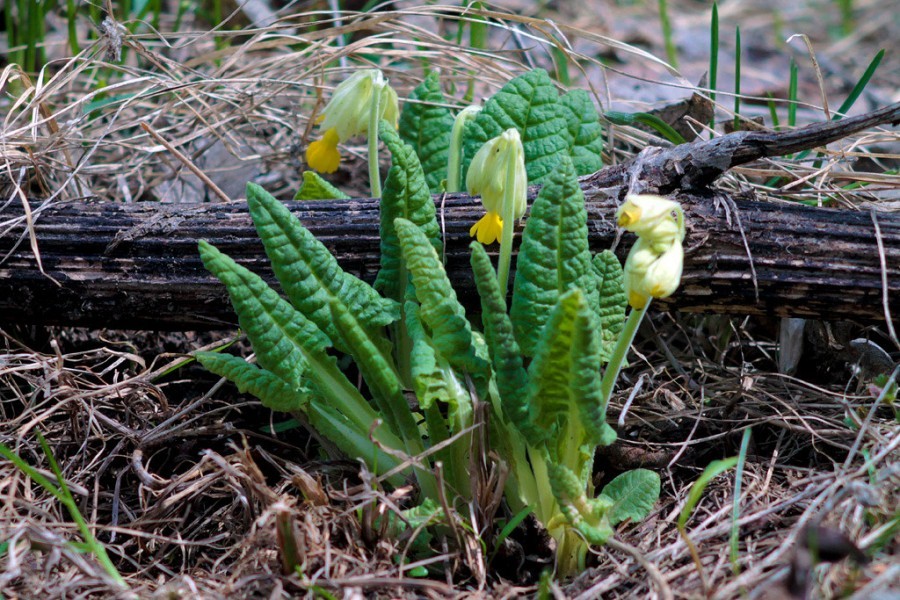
x,y
546,366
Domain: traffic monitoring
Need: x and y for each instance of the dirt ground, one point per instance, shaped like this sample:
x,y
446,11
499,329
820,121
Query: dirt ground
x,y
186,481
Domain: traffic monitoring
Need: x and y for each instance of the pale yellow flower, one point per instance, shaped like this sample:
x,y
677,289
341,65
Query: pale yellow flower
x,y
654,265
348,113
487,177
652,217
649,274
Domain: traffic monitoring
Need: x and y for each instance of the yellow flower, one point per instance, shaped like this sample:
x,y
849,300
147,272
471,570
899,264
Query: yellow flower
x,y
657,219
650,274
348,113
487,177
654,265
488,228
322,155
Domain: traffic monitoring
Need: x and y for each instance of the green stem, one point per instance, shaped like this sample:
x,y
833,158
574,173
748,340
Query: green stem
x,y
454,162
374,174
614,367
509,227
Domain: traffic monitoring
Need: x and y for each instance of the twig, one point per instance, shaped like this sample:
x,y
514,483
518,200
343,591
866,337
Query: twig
x,y
884,281
187,162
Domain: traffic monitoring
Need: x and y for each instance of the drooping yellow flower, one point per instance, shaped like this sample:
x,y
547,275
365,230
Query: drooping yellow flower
x,y
322,155
654,265
654,218
649,274
488,176
348,114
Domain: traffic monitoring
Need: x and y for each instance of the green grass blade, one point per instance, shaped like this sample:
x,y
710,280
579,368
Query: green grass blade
x,y
737,79
714,469
660,126
859,87
736,509
671,53
792,94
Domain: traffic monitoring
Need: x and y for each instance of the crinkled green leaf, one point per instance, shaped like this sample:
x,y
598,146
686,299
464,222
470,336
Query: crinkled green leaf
x,y
286,342
433,378
311,276
530,103
588,515
633,494
440,311
440,392
585,132
554,256
425,124
506,359
270,322
565,378
612,302
316,188
406,196
274,392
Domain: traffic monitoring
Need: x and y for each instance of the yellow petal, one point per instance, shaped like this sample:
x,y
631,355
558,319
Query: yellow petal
x,y
488,229
322,155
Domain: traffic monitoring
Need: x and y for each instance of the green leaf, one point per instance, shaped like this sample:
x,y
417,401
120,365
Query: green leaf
x,y
565,379
286,342
585,132
633,494
274,392
612,301
530,103
337,428
440,311
380,376
270,322
506,359
554,256
316,188
433,378
712,470
311,276
405,196
425,124
587,515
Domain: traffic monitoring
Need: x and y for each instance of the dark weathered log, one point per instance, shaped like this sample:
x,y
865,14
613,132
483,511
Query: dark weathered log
x,y
136,266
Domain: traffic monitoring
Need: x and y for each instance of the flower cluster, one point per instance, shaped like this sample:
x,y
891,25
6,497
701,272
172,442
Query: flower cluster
x,y
653,267
489,175
349,113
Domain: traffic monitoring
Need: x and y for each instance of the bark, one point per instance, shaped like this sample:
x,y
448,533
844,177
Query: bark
x,y
136,266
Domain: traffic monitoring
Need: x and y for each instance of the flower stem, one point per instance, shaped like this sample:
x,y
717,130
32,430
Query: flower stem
x,y
454,161
374,174
614,366
509,227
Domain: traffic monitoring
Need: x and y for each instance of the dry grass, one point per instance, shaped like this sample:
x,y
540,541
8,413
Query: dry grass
x,y
185,480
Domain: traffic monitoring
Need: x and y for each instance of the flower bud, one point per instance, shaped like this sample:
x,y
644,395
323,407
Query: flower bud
x,y
652,217
488,176
650,274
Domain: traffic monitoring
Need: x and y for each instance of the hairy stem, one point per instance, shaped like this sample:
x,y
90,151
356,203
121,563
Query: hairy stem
x,y
374,174
611,374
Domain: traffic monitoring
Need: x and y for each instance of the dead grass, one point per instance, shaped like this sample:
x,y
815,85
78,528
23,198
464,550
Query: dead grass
x,y
186,481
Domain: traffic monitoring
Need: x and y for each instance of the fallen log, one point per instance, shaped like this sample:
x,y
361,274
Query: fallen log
x,y
135,266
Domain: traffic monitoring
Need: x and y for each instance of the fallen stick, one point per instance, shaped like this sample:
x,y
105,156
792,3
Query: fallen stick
x,y
135,266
